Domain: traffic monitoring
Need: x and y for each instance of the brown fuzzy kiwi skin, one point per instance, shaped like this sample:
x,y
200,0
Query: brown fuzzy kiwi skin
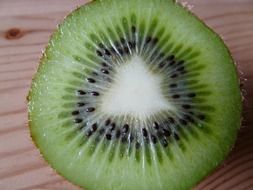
x,y
44,56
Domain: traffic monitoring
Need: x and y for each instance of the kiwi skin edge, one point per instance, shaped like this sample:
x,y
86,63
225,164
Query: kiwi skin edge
x,y
44,55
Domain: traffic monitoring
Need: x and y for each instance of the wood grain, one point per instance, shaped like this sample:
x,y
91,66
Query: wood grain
x,y
25,27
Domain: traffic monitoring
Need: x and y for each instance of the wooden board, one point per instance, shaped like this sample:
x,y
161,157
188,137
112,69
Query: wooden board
x,y
25,27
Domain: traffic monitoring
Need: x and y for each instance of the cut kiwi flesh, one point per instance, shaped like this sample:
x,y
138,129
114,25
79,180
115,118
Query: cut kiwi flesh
x,y
135,94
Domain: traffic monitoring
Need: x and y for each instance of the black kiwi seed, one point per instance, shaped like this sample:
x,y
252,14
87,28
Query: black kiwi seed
x,y
121,52
144,132
125,128
174,76
104,64
117,134
155,125
171,120
131,138
201,117
99,53
133,28
154,40
186,106
137,145
78,120
189,118
90,109
183,72
76,112
191,95
107,52
161,65
80,104
91,80
81,92
94,127
88,133
176,96
122,40
112,127
164,142
153,139
173,85
126,49
131,44
172,62
113,51
171,57
192,113
183,122
94,93
176,136
104,71
108,136
148,39
107,122
180,69
166,132
180,63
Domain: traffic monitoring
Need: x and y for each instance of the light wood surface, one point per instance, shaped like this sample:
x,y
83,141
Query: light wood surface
x,y
25,27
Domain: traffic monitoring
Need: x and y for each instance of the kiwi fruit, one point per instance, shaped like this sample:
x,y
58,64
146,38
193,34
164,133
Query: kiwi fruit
x,y
136,94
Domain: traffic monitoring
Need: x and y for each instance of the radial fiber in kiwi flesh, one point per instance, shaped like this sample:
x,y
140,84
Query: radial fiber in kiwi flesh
x,y
135,94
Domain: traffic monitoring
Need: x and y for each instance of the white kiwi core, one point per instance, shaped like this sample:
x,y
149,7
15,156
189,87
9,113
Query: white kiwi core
x,y
136,91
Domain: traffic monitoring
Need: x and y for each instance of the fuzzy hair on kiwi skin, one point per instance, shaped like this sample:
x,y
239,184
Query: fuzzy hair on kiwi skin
x,y
41,61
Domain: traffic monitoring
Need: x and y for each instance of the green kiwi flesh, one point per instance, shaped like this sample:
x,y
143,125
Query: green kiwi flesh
x,y
135,94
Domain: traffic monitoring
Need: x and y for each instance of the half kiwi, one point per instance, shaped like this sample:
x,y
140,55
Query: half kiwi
x,y
135,94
